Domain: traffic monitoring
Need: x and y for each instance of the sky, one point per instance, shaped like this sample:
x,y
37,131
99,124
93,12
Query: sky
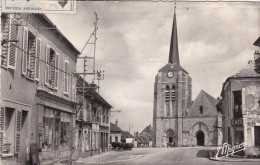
x,y
133,38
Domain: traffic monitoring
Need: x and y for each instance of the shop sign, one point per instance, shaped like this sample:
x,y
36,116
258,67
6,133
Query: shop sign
x,y
253,116
227,149
237,122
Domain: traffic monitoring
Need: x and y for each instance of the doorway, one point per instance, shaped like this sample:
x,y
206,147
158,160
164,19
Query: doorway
x,y
200,138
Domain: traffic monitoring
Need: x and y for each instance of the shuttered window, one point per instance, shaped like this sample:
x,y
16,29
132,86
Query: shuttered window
x,y
9,38
18,130
37,60
66,77
51,69
2,127
12,45
30,55
25,51
47,67
5,36
56,71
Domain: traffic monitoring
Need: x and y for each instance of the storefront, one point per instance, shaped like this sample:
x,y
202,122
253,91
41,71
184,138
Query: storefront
x,y
55,128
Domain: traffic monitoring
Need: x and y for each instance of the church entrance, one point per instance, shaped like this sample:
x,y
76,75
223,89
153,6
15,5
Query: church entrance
x,y
170,135
200,138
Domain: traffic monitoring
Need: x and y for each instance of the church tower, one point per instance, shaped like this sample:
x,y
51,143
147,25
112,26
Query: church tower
x,y
172,93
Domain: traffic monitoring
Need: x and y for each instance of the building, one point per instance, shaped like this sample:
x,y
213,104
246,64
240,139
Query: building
x,y
115,132
241,106
37,90
126,135
92,122
176,118
144,138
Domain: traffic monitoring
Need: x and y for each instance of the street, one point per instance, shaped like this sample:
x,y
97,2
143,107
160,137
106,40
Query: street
x,y
157,156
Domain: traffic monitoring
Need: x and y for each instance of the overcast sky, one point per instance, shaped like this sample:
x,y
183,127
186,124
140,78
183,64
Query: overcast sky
x,y
215,41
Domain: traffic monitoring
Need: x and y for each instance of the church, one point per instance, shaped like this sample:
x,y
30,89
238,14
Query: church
x,y
177,120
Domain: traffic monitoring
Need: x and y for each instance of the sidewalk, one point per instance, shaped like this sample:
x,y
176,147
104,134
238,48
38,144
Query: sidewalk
x,y
212,155
109,157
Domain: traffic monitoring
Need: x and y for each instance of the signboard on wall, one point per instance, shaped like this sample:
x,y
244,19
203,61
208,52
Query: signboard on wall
x,y
237,122
228,149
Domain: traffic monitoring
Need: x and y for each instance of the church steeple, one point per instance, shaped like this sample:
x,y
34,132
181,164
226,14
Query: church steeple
x,y
174,51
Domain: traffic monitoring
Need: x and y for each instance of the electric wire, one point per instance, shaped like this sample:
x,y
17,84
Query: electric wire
x,y
104,18
70,74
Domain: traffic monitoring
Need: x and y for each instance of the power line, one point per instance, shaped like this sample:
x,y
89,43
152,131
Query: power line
x,y
171,14
70,74
188,7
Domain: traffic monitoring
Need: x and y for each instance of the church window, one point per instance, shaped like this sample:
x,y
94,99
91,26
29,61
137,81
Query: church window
x,y
201,110
167,99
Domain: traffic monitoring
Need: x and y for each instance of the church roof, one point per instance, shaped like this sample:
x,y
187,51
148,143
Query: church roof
x,y
201,98
174,61
174,51
174,67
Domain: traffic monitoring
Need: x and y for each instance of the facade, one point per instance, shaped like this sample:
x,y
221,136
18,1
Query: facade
x,y
92,122
115,132
176,118
37,90
241,106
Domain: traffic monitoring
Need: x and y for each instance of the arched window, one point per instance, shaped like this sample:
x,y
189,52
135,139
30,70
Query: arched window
x,y
201,110
167,87
173,87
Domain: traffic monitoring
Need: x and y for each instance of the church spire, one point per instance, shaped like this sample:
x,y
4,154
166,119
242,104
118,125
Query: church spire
x,y
174,51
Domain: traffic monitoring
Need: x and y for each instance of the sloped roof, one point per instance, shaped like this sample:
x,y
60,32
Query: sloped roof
x,y
114,128
257,42
202,98
125,134
148,129
248,71
173,67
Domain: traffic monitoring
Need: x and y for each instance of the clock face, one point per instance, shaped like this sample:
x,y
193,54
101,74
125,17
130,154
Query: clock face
x,y
170,74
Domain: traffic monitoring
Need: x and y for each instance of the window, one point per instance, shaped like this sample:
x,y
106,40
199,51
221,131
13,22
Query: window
x,y
116,139
104,114
56,129
66,77
10,30
167,99
201,110
257,137
51,67
64,132
237,112
11,126
107,114
31,55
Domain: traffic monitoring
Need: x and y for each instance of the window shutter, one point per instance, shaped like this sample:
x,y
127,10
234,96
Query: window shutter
x,y
18,130
56,71
12,46
47,56
2,127
38,56
25,51
52,70
5,36
66,65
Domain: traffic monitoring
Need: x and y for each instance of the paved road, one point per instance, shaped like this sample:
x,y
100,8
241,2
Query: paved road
x,y
161,156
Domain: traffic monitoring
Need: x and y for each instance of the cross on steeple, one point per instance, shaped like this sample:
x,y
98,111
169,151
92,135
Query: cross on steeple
x,y
174,51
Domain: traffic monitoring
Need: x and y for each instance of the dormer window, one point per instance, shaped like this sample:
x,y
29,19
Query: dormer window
x,y
201,110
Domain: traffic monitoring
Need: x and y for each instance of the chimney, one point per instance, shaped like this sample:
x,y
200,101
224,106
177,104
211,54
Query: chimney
x,y
116,122
256,55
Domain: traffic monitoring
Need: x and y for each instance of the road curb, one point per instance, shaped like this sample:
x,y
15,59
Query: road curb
x,y
235,160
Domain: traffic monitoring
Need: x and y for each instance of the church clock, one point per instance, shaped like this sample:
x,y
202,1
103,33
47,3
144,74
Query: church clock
x,y
170,74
